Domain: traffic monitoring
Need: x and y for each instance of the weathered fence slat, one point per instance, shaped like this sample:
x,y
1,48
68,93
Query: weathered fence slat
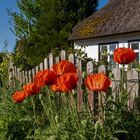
x,y
132,87
23,78
11,74
90,93
79,86
71,58
36,69
20,76
63,55
30,76
46,63
33,74
15,72
41,66
101,96
116,83
50,61
57,59
26,76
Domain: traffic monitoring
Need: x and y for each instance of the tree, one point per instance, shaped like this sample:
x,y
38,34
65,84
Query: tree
x,y
51,28
25,21
4,62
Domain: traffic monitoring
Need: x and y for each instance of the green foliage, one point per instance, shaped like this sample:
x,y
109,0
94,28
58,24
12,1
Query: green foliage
x,y
47,116
44,26
4,65
14,118
24,22
120,121
53,116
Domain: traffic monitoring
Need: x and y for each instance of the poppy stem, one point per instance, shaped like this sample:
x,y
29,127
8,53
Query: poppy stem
x,y
101,112
51,108
122,86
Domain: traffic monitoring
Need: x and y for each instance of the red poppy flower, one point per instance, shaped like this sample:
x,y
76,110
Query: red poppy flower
x,y
18,96
66,82
49,77
97,82
45,77
38,79
55,88
124,55
31,89
64,67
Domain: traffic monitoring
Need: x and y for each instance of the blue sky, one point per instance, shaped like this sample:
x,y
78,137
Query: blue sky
x,y
5,32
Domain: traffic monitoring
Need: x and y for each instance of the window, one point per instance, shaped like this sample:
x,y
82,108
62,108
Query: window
x,y
106,53
135,45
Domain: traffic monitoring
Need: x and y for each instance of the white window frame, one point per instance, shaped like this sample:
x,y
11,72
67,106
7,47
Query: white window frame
x,y
135,50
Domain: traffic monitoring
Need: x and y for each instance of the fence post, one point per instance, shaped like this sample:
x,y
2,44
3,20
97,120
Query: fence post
x,y
11,75
20,76
57,59
50,61
79,86
71,58
41,66
33,74
26,76
90,93
63,55
30,76
132,87
101,96
15,73
46,63
116,83
36,69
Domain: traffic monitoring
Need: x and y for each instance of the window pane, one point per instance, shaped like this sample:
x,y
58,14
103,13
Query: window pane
x,y
103,52
103,48
135,46
113,64
112,47
137,57
136,62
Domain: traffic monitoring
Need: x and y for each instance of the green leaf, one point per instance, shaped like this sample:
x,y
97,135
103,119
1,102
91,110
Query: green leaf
x,y
121,131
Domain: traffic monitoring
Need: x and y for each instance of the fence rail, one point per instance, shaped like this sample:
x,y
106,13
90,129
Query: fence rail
x,y
132,85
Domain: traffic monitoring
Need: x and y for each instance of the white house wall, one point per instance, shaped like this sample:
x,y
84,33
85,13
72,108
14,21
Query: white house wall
x,y
92,52
92,48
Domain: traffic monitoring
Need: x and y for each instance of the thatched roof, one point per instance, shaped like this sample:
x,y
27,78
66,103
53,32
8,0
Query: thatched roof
x,y
117,17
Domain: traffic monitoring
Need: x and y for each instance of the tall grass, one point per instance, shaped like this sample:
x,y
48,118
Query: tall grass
x,y
53,116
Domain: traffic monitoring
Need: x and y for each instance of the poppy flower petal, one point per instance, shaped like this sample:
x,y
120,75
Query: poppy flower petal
x,y
97,82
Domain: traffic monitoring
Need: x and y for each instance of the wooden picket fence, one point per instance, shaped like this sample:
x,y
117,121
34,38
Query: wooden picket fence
x,y
132,85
